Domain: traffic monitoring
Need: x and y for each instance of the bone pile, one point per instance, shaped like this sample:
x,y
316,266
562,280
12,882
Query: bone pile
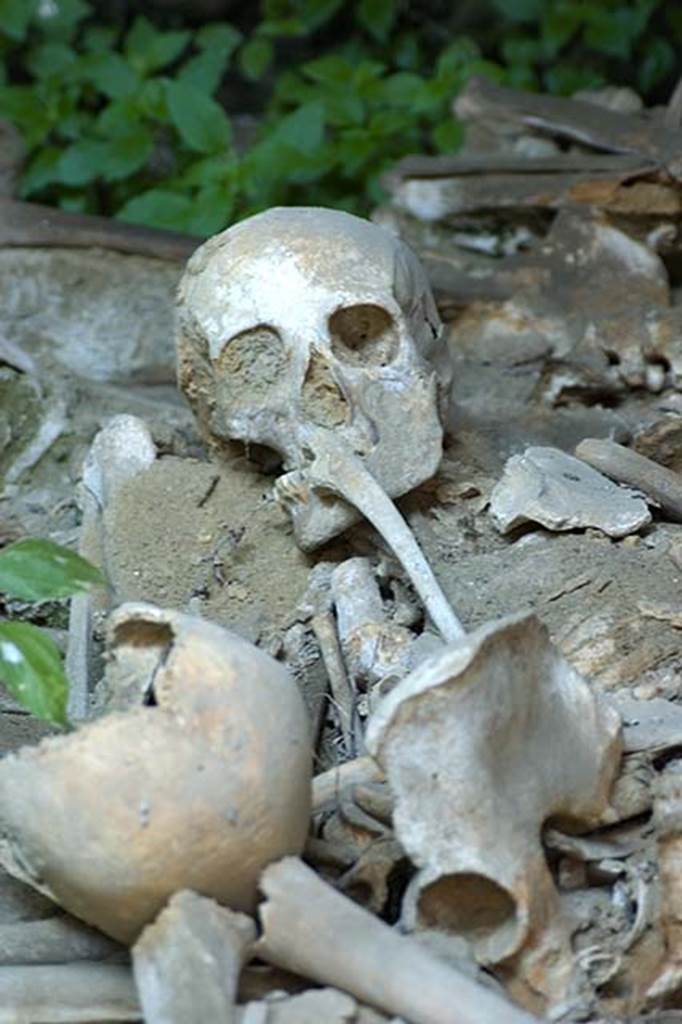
x,y
479,820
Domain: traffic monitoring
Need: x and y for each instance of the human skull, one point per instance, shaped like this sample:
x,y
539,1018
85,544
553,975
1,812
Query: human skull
x,y
301,320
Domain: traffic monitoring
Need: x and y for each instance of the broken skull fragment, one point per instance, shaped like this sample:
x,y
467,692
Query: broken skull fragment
x,y
201,789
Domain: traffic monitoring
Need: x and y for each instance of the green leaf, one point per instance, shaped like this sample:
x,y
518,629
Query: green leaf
x,y
60,18
31,669
148,49
21,105
328,70
159,208
659,60
213,208
126,154
377,17
201,122
520,10
255,58
403,89
565,79
40,570
50,59
15,16
220,36
448,135
110,73
303,130
42,170
98,38
315,13
204,71
460,53
613,32
559,23
79,164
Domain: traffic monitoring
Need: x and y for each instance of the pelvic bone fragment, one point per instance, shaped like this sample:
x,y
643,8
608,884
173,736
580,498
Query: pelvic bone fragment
x,y
481,744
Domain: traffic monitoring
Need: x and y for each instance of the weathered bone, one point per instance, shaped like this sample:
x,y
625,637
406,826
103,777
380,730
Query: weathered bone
x,y
282,327
201,791
302,919
68,994
505,734
187,963
334,468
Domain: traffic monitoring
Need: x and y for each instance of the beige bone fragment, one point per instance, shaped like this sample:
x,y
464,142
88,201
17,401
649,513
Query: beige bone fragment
x,y
313,930
201,791
187,962
481,745
67,994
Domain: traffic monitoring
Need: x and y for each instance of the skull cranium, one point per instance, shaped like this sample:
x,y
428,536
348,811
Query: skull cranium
x,y
301,320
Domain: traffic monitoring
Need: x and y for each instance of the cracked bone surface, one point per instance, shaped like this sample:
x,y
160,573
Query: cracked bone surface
x,y
201,789
304,318
481,744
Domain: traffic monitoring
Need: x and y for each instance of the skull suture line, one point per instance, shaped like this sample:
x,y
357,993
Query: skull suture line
x,y
301,320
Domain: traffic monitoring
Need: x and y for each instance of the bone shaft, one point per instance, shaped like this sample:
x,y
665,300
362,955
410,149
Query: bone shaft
x,y
327,785
71,992
55,940
342,694
315,931
362,490
356,596
628,467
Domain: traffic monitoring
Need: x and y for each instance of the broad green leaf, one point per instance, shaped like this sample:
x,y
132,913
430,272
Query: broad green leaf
x,y
31,670
377,17
219,36
459,54
315,13
21,105
303,130
403,89
149,49
201,122
50,59
329,69
213,208
255,58
559,23
520,10
204,71
448,135
659,60
565,79
407,51
60,18
42,170
158,208
79,164
613,32
111,74
39,570
126,154
15,16
98,38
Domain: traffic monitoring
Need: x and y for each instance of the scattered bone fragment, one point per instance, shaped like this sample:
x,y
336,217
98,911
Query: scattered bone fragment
x,y
68,994
50,428
341,691
200,789
358,354
661,485
303,919
668,820
187,962
547,486
59,939
653,725
327,785
312,1007
121,450
456,739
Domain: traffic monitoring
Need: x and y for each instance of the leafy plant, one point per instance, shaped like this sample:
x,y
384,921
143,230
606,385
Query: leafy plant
x,y
130,120
30,662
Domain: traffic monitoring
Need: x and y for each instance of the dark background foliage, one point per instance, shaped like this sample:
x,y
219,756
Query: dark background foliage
x,y
189,115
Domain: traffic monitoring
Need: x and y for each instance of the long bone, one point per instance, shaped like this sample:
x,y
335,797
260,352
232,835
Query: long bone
x,y
335,468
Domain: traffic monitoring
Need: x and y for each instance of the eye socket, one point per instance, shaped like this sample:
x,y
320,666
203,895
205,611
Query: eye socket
x,y
364,335
253,360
